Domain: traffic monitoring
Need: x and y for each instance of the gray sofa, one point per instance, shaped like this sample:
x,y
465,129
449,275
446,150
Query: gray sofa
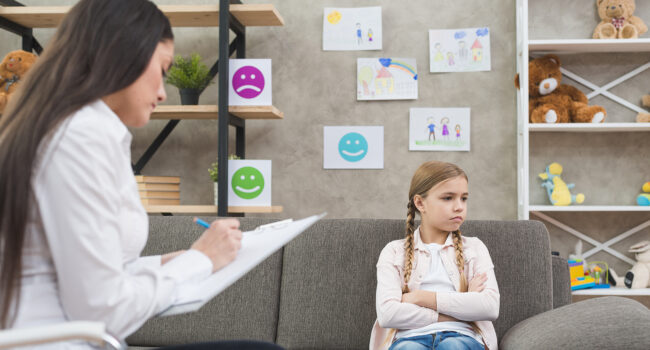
x,y
318,292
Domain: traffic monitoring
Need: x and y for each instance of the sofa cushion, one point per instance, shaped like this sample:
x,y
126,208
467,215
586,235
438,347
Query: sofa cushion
x,y
599,323
561,282
246,310
329,278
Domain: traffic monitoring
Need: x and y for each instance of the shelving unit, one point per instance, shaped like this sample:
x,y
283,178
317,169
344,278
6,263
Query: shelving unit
x,y
527,49
227,16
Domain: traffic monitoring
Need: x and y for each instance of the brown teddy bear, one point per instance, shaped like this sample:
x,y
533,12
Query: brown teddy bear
x,y
644,117
549,101
618,21
13,68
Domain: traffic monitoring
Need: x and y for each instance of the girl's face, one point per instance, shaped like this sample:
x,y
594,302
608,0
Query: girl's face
x,y
135,103
445,206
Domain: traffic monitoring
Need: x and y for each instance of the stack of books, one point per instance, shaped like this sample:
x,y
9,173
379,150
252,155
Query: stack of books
x,y
159,190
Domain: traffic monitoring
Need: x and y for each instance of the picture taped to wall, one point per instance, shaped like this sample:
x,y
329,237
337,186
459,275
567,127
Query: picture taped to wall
x,y
351,29
250,82
387,79
459,50
439,129
353,147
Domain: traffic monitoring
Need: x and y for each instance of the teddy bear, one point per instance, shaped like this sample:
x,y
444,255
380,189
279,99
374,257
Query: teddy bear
x,y
639,275
644,117
12,69
644,198
559,191
550,101
618,21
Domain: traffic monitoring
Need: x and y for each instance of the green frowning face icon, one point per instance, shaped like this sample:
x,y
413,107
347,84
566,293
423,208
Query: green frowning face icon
x,y
247,182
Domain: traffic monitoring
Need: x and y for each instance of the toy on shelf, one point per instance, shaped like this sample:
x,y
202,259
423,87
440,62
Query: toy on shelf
x,y
639,275
550,101
12,69
644,117
644,198
596,272
557,190
578,278
617,20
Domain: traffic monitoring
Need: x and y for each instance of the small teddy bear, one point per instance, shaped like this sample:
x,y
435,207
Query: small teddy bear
x,y
12,69
639,275
557,190
618,21
644,117
550,101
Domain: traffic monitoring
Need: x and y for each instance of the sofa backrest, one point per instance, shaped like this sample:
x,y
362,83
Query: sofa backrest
x,y
327,298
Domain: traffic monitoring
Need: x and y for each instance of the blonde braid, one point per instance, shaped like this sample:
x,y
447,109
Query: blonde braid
x,y
408,245
460,262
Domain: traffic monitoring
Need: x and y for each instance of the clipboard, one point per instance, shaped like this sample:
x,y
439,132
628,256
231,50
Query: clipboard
x,y
256,246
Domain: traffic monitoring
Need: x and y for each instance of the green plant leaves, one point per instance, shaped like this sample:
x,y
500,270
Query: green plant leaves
x,y
189,73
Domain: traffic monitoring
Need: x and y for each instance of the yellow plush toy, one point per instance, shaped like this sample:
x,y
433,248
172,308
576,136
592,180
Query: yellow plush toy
x,y
644,117
618,21
558,190
12,69
644,198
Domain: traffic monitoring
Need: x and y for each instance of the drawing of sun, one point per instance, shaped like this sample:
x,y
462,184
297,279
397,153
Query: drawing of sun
x,y
334,17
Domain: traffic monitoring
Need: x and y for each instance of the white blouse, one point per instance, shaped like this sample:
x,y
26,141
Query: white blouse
x,y
85,233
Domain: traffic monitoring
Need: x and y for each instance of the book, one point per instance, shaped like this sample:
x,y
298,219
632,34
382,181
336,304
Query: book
x,y
160,195
256,246
158,187
158,179
151,201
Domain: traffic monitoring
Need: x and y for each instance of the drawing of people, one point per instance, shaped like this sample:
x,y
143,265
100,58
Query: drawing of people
x,y
439,55
432,128
370,34
457,132
359,36
445,130
450,57
463,53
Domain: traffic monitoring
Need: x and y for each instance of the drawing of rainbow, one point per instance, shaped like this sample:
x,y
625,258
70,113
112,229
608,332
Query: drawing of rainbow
x,y
389,63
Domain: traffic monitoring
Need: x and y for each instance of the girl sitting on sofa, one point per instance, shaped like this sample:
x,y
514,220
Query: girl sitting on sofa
x,y
435,288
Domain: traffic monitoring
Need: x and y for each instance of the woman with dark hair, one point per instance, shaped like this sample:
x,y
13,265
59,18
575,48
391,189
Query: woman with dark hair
x,y
71,222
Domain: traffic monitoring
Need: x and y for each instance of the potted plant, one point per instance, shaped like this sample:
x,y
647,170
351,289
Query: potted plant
x,y
214,175
190,76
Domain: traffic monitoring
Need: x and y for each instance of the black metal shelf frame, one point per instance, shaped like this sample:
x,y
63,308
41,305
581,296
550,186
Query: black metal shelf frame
x,y
227,22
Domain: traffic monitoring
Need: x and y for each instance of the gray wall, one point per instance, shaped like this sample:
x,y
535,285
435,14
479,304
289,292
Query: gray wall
x,y
315,88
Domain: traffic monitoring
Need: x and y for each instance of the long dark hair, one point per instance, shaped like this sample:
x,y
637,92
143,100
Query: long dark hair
x,y
100,47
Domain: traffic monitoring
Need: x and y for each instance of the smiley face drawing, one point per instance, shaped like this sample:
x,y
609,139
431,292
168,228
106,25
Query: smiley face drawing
x,y
248,82
353,147
247,182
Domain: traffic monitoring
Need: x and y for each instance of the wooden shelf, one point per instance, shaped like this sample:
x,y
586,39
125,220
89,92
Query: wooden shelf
x,y
587,127
587,208
612,291
211,112
590,45
179,15
208,209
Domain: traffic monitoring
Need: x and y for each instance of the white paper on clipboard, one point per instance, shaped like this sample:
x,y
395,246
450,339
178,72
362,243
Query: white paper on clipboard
x,y
257,245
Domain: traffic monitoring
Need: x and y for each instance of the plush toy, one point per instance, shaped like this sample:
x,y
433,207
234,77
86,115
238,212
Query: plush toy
x,y
550,101
13,68
644,117
618,21
639,275
644,198
557,190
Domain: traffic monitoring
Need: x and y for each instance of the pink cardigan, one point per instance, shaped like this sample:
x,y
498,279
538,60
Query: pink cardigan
x,y
481,307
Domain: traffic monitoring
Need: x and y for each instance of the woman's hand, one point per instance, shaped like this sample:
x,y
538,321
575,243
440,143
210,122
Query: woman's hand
x,y
477,284
220,242
166,257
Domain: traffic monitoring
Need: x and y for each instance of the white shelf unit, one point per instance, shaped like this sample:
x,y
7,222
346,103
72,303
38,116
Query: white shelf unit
x,y
534,48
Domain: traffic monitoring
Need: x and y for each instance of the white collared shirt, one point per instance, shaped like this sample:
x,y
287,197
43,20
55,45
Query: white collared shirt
x,y
85,233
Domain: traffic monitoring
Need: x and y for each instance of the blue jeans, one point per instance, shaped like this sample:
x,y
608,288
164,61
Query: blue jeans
x,y
438,341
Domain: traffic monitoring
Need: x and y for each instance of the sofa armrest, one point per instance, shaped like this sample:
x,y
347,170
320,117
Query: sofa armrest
x,y
561,282
598,323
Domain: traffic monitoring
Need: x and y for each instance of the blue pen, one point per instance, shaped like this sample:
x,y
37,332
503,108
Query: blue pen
x,y
201,222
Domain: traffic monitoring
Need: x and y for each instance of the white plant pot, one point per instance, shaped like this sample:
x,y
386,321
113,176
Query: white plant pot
x,y
216,193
